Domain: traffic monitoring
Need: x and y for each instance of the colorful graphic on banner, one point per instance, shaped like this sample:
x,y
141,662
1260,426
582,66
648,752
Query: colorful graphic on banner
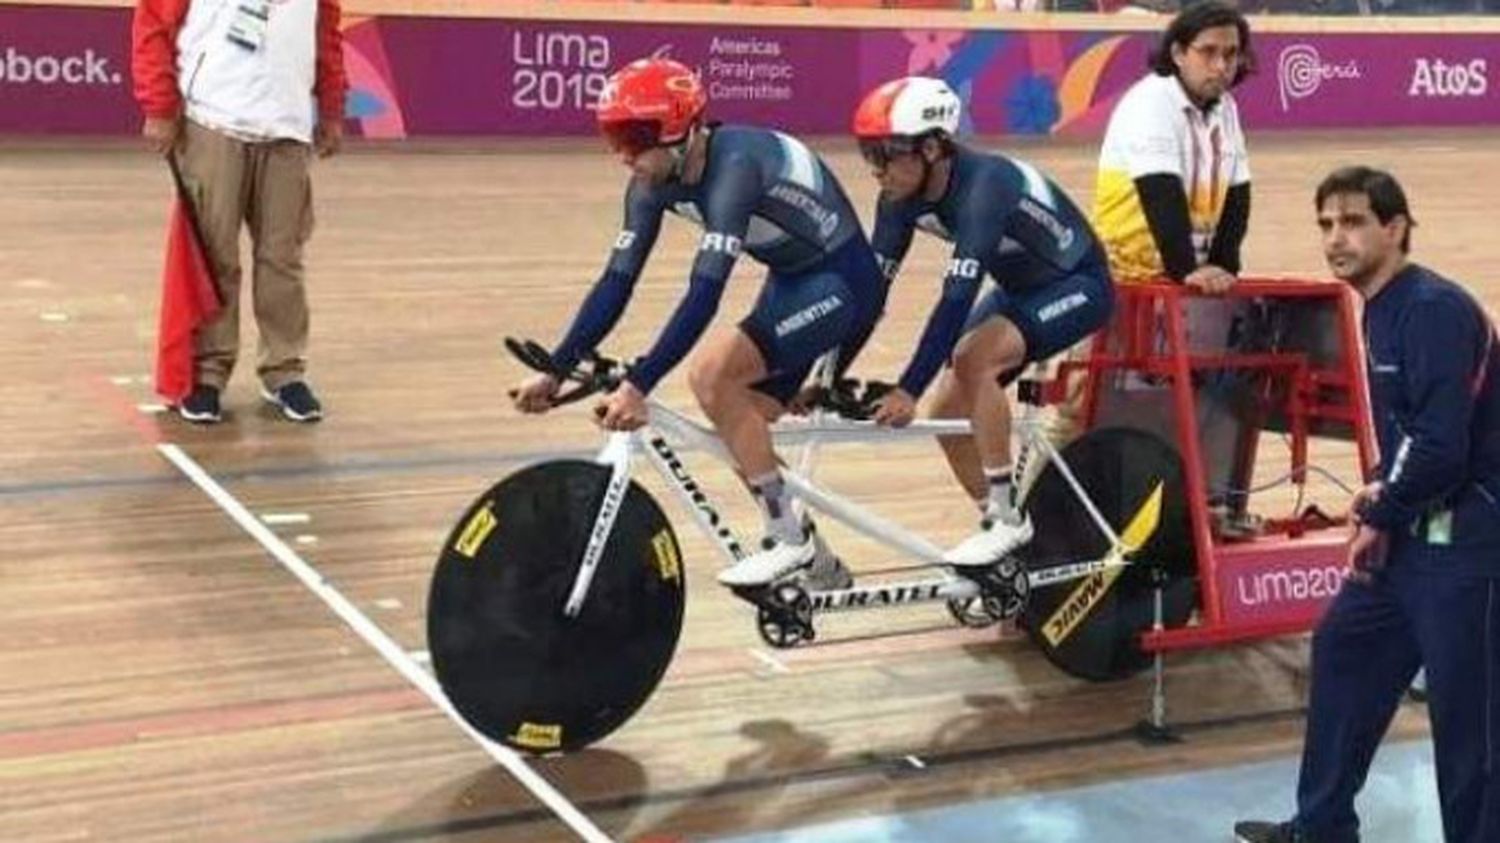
x,y
373,103
1028,83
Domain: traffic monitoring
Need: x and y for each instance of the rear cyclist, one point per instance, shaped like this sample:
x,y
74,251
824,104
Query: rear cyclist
x,y
1006,220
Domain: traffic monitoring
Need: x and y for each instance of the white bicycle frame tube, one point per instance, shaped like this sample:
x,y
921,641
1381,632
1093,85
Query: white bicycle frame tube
x,y
616,454
700,437
1036,439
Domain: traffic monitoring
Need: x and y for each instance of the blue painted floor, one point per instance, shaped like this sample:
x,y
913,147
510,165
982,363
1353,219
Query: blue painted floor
x,y
1398,805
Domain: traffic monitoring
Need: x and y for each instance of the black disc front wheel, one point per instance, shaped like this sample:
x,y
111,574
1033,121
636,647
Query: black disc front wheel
x,y
514,664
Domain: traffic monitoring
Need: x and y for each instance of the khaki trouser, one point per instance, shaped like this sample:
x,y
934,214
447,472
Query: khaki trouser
x,y
266,187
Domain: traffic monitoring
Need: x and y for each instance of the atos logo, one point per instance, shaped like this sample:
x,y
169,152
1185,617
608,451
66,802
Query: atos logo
x,y
1437,78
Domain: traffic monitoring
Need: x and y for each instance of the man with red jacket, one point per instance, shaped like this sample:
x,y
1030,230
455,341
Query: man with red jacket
x,y
241,93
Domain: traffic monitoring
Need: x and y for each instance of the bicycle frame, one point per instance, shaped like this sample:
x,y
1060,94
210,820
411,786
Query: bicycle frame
x,y
665,423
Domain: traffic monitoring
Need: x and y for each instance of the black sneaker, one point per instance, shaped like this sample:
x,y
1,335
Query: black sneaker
x,y
1257,831
201,406
296,401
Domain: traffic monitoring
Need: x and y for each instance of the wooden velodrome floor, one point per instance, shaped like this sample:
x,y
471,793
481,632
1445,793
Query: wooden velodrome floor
x,y
165,679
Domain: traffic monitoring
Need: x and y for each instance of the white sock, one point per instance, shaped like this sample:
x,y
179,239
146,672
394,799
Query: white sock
x,y
782,523
1001,503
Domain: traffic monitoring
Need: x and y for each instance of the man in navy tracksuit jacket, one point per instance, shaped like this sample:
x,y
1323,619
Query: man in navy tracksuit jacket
x,y
1424,586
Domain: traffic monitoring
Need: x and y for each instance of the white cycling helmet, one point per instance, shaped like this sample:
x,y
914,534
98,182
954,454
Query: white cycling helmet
x,y
912,107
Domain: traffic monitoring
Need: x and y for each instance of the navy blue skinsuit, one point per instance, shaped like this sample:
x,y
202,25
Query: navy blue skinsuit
x,y
1434,369
767,194
1006,220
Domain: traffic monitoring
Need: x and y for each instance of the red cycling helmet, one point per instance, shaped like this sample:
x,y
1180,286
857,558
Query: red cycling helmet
x,y
648,103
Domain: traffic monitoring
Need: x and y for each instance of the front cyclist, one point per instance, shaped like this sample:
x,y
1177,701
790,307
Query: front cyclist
x,y
1006,220
752,190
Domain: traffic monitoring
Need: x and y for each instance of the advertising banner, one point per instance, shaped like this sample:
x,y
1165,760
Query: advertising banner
x,y
65,70
498,77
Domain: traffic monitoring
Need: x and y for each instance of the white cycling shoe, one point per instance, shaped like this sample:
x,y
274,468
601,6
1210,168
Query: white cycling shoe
x,y
994,542
775,560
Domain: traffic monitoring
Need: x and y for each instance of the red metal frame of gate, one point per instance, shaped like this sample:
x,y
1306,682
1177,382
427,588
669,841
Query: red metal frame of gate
x,y
1293,568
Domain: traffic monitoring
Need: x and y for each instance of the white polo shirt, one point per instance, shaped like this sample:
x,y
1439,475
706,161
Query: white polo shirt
x,y
1154,129
260,94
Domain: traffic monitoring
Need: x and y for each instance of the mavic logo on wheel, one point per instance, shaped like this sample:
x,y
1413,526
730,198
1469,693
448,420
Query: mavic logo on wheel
x,y
538,736
1088,593
668,564
1078,606
480,525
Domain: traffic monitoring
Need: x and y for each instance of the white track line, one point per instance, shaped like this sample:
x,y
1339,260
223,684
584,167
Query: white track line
x,y
382,643
769,660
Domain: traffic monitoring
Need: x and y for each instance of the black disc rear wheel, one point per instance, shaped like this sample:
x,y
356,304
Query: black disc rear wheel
x,y
1090,627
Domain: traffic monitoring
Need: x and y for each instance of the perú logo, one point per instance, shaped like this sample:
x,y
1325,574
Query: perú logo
x,y
1437,78
1301,71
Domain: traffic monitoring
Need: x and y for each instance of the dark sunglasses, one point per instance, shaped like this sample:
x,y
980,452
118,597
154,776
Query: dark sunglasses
x,y
879,152
632,137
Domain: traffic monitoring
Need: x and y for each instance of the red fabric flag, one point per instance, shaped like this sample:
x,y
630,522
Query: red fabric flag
x,y
189,298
